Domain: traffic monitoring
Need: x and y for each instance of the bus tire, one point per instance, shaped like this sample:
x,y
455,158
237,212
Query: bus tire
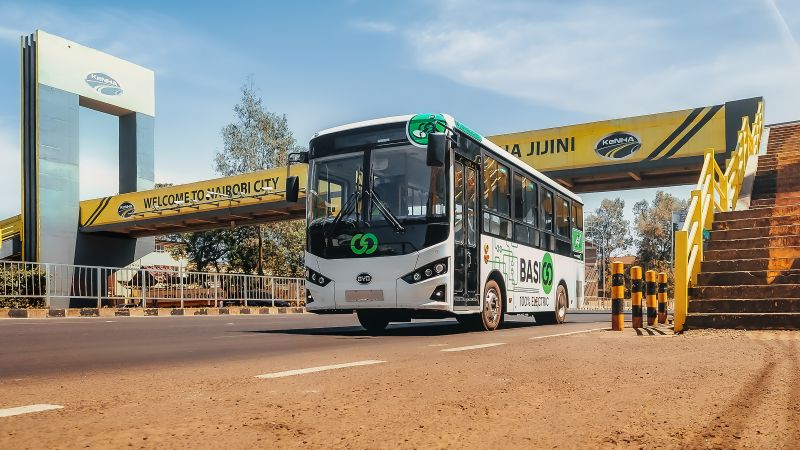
x,y
492,312
373,321
558,316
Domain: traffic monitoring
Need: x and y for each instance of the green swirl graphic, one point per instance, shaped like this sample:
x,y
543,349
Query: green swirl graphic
x,y
547,273
364,244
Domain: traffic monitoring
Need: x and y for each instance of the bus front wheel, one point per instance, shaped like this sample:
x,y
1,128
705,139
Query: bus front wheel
x,y
492,312
373,321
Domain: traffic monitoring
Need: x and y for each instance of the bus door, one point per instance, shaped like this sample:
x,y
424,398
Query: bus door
x,y
465,272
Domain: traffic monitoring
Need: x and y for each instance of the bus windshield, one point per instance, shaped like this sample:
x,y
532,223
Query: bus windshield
x,y
389,192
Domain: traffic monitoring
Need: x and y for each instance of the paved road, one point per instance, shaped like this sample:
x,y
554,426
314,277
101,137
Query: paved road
x,y
47,346
321,382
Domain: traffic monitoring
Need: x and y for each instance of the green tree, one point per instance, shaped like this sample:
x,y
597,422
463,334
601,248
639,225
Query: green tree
x,y
201,248
258,140
609,232
653,228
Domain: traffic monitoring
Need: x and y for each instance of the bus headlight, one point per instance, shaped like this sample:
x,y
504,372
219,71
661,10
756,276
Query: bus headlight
x,y
433,269
316,277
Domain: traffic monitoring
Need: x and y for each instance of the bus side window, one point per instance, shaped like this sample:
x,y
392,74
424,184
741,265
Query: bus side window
x,y
496,198
546,200
577,216
562,216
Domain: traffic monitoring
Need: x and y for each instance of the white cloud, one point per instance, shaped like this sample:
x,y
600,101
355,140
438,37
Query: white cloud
x,y
609,61
9,183
147,38
9,35
374,26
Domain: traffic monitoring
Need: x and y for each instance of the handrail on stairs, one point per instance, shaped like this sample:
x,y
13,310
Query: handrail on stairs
x,y
716,190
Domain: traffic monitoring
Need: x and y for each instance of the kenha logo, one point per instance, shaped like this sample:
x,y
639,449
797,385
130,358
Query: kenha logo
x,y
126,209
103,84
618,145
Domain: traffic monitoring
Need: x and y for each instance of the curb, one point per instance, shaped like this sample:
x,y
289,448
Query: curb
x,y
19,313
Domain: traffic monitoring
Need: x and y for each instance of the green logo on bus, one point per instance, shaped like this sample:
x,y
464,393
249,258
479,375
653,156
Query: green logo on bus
x,y
547,273
421,125
364,244
577,241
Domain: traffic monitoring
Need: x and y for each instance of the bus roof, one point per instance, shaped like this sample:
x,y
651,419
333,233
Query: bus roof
x,y
454,124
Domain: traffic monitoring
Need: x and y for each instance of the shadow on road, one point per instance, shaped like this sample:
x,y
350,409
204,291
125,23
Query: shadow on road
x,y
432,328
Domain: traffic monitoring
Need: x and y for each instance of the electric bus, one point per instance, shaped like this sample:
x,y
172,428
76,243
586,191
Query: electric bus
x,y
419,216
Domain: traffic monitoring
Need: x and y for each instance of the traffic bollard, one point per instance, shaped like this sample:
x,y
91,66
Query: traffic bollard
x,y
662,297
637,319
650,291
617,296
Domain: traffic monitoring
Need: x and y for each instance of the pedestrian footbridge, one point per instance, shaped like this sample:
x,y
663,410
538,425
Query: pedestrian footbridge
x,y
247,199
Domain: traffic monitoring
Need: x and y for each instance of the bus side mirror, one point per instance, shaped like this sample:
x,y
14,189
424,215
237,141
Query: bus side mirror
x,y
437,149
298,157
292,189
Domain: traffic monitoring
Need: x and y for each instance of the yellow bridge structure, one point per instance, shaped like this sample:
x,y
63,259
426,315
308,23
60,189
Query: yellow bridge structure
x,y
247,199
716,191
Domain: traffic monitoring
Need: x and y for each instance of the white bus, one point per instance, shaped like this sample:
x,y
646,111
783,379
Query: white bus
x,y
421,217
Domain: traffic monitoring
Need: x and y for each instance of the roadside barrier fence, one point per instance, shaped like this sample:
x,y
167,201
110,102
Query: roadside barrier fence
x,y
60,285
655,290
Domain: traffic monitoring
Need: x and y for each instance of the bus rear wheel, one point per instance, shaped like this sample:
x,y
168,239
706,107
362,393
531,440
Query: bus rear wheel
x,y
492,312
373,321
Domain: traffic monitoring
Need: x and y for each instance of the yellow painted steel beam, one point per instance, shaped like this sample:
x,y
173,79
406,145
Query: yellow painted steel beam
x,y
223,195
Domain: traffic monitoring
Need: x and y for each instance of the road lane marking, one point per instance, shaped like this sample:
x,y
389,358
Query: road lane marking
x,y
473,347
438,345
569,333
288,373
8,412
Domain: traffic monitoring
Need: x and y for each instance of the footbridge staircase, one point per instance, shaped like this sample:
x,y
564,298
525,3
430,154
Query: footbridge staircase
x,y
737,265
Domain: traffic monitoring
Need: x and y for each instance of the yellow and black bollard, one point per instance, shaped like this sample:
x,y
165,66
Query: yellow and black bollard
x,y
617,296
650,291
662,297
637,319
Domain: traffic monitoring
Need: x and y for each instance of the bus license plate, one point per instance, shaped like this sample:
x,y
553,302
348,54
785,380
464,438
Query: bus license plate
x,y
364,295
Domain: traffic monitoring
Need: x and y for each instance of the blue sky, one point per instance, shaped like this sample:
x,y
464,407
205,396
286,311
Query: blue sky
x,y
499,66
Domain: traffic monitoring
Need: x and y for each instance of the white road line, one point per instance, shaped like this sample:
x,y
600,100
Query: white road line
x,y
473,347
438,345
8,412
288,373
567,334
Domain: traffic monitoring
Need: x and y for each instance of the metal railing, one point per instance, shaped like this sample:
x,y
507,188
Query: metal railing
x,y
59,285
716,191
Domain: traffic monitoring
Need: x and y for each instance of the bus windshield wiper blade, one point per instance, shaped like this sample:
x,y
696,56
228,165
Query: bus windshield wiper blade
x,y
348,205
391,218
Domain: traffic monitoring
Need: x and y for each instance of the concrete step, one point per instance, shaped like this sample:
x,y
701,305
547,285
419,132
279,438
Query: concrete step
x,y
747,291
789,180
755,265
772,201
771,191
766,161
752,253
744,233
744,321
754,243
745,305
759,213
755,223
749,277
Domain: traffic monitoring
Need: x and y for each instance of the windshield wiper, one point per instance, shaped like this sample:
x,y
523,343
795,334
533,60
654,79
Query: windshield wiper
x,y
391,218
348,205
